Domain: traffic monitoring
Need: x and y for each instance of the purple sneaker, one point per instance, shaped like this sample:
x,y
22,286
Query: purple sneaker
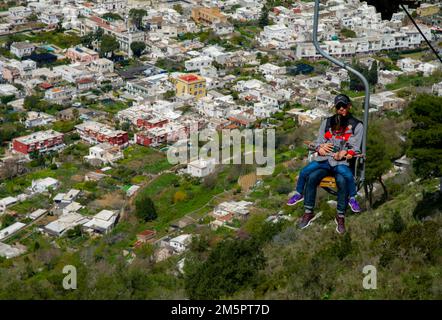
x,y
295,199
354,205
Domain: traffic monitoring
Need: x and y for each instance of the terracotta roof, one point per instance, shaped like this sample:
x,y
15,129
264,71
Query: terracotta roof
x,y
85,80
231,126
45,85
190,78
147,233
227,217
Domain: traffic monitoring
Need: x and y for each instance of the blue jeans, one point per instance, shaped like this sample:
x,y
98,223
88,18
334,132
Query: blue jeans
x,y
341,169
312,183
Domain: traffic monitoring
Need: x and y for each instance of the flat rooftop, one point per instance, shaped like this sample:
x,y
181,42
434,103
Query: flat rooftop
x,y
39,136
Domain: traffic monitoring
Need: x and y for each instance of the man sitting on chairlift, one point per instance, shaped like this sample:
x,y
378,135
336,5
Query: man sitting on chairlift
x,y
339,140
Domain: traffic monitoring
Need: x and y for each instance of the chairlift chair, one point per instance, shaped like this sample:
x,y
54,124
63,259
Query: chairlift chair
x,y
358,165
329,183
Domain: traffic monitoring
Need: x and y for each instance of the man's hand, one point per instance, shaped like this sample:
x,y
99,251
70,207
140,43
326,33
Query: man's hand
x,y
325,148
339,155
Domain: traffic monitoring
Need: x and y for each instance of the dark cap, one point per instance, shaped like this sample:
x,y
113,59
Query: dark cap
x,y
342,99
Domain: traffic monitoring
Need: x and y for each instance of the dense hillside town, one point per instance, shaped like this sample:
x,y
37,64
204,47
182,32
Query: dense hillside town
x,y
94,96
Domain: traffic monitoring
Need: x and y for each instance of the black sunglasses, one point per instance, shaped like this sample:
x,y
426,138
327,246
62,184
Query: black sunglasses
x,y
341,105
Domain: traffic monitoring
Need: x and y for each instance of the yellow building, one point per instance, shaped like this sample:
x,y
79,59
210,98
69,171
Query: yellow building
x,y
191,84
427,9
208,15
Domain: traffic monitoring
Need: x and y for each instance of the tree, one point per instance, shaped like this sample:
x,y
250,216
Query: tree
x,y
398,224
108,45
137,48
92,37
355,83
231,265
32,17
263,59
32,103
111,16
98,34
178,8
179,196
10,39
373,73
75,113
169,94
87,40
378,160
7,220
426,136
74,232
264,18
136,16
145,208
125,126
6,99
348,33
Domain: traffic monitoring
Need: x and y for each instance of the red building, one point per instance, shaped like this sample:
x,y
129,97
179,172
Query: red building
x,y
160,135
151,137
95,132
42,141
151,123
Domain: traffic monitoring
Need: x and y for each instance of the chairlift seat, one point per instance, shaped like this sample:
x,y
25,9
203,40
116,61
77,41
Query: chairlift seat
x,y
328,182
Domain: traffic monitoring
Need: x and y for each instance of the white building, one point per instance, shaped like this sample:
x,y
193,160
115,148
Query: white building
x,y
14,228
279,36
197,63
217,53
104,153
102,66
263,110
408,64
306,117
71,73
5,202
102,222
49,18
68,197
113,5
59,95
437,89
201,167
43,185
8,90
428,68
22,49
223,29
386,76
36,119
271,69
37,214
66,222
180,243
239,209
